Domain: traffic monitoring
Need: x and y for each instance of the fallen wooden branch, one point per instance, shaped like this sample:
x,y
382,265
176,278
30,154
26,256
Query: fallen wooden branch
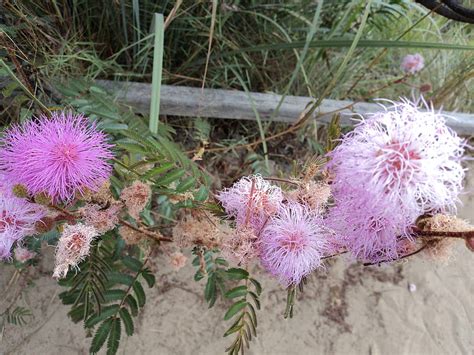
x,y
232,104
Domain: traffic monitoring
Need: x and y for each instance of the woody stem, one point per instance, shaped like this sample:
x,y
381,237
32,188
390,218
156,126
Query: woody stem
x,y
443,234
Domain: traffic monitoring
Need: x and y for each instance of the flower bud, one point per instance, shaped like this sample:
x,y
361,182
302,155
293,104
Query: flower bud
x,y
425,88
20,191
44,225
43,199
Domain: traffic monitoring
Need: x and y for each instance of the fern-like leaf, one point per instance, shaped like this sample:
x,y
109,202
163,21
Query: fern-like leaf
x,y
101,336
127,321
114,337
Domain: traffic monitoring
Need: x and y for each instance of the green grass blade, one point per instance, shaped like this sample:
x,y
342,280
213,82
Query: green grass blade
x,y
211,36
257,117
342,43
157,73
23,87
312,31
136,25
343,65
124,21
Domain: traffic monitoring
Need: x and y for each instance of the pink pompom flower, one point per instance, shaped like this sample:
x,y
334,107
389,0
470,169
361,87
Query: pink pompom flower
x,y
405,155
393,167
413,63
370,228
293,243
73,247
6,188
251,201
60,156
17,220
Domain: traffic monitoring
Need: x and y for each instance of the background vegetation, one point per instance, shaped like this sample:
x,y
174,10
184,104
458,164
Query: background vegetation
x,y
51,51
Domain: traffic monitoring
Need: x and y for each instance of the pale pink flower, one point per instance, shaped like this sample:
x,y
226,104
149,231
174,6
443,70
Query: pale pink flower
x,y
240,245
102,219
251,201
178,260
293,243
369,227
22,254
6,187
413,63
73,247
395,166
17,220
136,197
405,155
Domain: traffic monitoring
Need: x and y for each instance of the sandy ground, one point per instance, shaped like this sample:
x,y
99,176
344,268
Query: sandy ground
x,y
347,309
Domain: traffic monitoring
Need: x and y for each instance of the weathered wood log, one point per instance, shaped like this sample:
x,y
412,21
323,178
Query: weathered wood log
x,y
233,104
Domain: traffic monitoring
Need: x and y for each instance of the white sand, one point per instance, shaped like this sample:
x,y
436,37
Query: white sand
x,y
346,310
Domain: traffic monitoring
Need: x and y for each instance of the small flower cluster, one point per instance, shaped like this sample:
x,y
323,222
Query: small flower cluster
x,y
395,166
285,233
49,161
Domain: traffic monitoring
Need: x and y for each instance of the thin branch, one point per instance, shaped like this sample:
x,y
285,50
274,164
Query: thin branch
x,y
122,222
443,234
281,180
400,258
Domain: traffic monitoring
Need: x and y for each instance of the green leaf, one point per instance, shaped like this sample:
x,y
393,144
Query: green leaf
x,y
196,261
237,274
107,312
186,184
133,148
140,293
114,295
18,315
253,315
238,291
149,277
235,308
132,304
210,290
114,337
119,278
68,297
100,336
202,194
127,321
258,286
198,276
112,126
255,298
235,327
221,261
158,170
132,263
76,313
170,177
